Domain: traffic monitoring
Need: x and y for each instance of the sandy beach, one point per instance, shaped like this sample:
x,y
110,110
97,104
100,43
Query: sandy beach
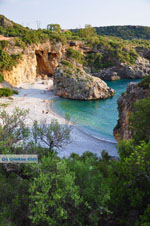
x,y
37,98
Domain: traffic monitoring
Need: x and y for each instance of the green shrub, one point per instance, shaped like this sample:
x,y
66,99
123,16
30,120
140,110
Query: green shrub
x,y
1,77
6,92
55,37
54,195
130,184
3,44
139,120
20,43
15,92
74,54
8,61
145,83
67,63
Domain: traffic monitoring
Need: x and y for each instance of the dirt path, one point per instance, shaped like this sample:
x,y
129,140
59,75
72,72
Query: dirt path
x,y
6,38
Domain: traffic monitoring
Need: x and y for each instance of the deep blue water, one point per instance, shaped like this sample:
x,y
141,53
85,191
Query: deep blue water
x,y
97,117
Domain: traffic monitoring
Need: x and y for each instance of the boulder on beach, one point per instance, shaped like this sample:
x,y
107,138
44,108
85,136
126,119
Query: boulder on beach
x,y
75,83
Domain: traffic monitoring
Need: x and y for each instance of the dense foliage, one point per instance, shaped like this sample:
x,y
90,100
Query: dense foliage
x,y
7,61
6,92
110,52
1,77
124,32
79,190
104,52
55,191
145,83
139,121
74,54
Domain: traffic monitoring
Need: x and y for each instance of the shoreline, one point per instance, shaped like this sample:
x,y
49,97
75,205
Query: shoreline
x,y
37,97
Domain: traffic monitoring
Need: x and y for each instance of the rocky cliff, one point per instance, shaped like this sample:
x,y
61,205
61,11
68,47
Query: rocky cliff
x,y
36,60
43,58
109,58
139,69
126,101
74,83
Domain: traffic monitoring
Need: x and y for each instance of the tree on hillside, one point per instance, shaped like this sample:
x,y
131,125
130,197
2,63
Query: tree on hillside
x,y
54,27
88,32
12,130
52,135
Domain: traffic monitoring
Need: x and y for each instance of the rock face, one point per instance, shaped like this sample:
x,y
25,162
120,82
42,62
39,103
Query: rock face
x,y
4,22
138,70
75,83
125,106
40,59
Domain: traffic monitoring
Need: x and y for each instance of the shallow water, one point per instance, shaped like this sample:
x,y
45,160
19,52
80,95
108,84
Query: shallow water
x,y
96,117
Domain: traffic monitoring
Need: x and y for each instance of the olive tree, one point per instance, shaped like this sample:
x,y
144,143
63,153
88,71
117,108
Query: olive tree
x,y
12,129
52,135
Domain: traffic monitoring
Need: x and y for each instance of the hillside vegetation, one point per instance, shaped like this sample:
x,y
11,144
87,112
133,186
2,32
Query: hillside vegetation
x,y
106,51
79,190
124,32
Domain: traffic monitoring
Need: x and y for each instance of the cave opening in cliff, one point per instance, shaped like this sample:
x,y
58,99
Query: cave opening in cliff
x,y
44,63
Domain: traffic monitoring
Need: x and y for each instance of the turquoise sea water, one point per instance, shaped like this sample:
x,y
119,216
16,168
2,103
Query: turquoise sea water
x,y
97,117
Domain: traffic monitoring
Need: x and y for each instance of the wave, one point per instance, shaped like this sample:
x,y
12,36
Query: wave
x,y
87,132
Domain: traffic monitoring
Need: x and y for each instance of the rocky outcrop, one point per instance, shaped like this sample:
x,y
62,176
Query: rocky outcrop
x,y
143,52
4,22
36,60
138,70
125,106
75,83
48,60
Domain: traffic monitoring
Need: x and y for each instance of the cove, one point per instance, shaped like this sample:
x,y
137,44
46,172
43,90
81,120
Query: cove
x,y
96,117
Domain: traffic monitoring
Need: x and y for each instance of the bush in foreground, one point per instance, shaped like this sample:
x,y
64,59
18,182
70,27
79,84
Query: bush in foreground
x,y
6,92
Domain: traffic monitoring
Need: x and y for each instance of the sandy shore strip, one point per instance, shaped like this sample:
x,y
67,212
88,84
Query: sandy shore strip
x,y
37,97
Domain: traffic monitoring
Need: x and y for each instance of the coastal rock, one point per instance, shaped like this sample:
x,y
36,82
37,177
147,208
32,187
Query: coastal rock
x,y
125,106
138,70
143,52
75,83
